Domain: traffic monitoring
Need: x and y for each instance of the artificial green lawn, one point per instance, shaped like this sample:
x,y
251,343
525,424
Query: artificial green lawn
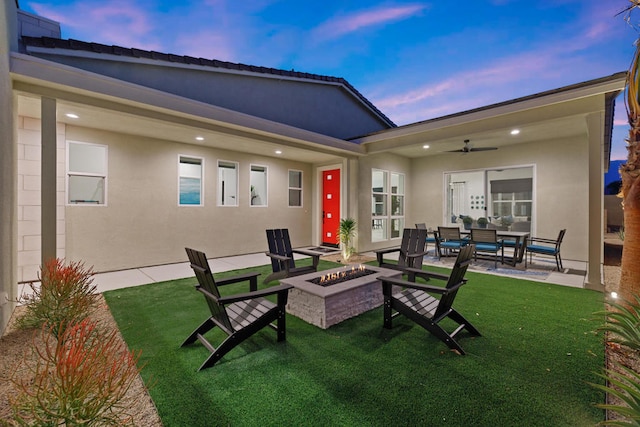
x,y
530,367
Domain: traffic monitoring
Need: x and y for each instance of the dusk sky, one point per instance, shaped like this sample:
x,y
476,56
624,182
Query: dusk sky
x,y
413,60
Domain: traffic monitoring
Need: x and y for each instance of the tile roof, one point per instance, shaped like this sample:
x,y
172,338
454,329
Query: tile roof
x,y
55,43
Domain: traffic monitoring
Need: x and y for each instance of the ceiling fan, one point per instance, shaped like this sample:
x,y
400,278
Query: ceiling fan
x,y
468,148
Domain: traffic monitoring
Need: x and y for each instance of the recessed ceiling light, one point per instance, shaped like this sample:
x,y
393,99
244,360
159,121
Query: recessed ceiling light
x,y
199,138
278,152
515,131
425,146
72,116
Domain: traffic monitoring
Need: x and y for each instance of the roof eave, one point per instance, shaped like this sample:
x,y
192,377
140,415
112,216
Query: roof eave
x,y
28,68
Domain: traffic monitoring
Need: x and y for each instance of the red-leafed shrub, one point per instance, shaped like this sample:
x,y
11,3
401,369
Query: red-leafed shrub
x,y
81,378
65,295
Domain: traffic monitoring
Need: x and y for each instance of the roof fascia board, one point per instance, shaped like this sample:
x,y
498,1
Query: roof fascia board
x,y
46,74
615,83
148,61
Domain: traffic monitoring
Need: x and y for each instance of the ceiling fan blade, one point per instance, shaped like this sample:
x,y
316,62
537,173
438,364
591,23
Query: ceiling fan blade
x,y
483,149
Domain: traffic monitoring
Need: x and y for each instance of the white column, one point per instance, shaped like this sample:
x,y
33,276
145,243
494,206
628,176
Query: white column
x,y
595,129
48,179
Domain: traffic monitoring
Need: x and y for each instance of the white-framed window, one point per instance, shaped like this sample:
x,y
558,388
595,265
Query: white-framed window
x,y
227,183
295,188
190,181
258,185
397,204
387,205
86,173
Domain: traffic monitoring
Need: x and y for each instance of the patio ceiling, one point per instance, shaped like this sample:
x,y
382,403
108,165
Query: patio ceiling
x,y
556,114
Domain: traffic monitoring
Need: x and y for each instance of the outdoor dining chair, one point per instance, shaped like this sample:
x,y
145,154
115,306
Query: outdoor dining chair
x,y
487,241
431,238
449,240
542,246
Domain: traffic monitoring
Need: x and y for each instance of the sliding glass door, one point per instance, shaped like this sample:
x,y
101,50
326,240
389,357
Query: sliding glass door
x,y
504,197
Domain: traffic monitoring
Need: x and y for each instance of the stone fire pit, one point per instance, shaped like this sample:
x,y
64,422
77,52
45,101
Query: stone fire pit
x,y
325,306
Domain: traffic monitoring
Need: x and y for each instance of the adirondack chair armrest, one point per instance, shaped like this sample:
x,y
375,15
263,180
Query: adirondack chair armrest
x,y
416,254
315,256
381,252
387,250
237,279
387,281
277,257
425,274
256,294
306,252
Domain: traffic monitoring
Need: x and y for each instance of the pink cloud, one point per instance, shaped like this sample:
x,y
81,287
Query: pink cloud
x,y
338,27
207,44
116,22
498,81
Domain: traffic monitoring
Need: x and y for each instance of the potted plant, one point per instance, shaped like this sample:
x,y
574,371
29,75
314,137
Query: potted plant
x,y
482,222
346,234
467,221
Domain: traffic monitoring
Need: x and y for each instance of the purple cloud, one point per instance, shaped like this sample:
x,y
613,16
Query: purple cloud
x,y
113,22
337,27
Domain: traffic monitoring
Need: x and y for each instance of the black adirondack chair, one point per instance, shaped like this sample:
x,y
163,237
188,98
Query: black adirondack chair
x,y
240,315
281,254
410,253
415,302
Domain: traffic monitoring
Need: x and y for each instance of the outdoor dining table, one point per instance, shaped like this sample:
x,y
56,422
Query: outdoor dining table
x,y
520,243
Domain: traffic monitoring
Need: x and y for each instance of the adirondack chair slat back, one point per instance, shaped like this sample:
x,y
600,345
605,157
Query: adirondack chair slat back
x,y
200,267
457,275
280,244
414,241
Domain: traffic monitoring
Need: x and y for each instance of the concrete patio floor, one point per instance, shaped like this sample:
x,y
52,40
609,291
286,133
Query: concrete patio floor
x,y
540,270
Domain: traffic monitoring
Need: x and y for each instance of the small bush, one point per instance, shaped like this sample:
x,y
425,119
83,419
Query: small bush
x,y
623,327
623,323
65,295
81,378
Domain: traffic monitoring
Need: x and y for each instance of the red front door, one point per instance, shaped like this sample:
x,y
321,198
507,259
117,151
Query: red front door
x,y
330,207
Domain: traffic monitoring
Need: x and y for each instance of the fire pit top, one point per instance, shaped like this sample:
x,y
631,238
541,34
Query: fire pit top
x,y
304,283
335,277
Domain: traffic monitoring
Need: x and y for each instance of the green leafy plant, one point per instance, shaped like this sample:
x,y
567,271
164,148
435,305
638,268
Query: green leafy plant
x,y
65,295
482,222
81,378
623,327
625,386
623,323
346,233
621,233
467,221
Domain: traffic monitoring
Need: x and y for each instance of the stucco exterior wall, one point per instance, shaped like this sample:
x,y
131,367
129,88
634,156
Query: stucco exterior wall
x,y
142,223
559,187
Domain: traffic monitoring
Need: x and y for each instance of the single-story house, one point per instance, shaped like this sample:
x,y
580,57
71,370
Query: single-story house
x,y
121,157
